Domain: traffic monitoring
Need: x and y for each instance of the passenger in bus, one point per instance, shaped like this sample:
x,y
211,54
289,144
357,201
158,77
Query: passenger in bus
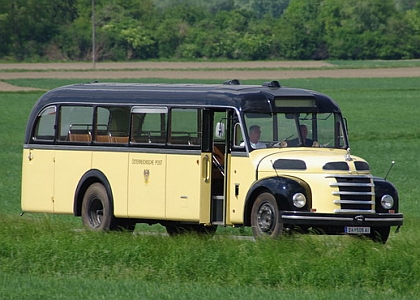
x,y
304,131
305,141
254,137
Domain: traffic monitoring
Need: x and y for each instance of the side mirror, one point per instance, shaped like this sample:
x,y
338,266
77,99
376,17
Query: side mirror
x,y
219,131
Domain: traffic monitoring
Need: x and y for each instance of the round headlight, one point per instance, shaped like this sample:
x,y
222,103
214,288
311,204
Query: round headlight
x,y
299,200
387,201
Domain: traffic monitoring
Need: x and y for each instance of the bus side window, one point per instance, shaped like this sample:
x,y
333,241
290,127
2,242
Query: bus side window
x,y
76,123
44,128
102,134
149,125
119,124
185,127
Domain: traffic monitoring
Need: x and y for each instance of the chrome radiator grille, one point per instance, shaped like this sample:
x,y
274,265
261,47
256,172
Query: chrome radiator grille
x,y
356,193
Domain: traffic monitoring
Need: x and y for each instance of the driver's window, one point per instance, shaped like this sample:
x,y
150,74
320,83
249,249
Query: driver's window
x,y
326,130
260,129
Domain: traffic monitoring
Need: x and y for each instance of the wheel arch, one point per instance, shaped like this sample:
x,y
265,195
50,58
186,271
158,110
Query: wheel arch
x,y
90,177
279,187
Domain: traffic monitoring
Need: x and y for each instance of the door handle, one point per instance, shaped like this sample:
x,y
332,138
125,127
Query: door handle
x,y
30,155
207,168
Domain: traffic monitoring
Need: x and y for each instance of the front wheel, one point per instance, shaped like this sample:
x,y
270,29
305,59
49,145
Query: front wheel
x,y
97,214
265,217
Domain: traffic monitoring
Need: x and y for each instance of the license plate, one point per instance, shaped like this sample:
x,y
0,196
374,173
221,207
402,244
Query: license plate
x,y
356,230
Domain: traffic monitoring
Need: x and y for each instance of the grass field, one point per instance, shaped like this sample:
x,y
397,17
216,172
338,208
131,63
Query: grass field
x,y
52,257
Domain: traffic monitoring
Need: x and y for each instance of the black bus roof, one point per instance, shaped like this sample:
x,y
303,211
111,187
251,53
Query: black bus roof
x,y
256,98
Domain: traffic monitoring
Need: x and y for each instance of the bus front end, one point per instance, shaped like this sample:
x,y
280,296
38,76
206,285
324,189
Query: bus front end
x,y
307,179
327,191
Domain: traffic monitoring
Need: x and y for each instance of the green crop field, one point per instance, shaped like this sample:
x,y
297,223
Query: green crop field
x,y
52,257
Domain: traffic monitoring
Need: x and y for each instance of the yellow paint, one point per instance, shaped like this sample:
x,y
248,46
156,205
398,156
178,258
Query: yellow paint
x,y
242,173
69,168
146,185
183,196
37,180
114,165
205,188
170,186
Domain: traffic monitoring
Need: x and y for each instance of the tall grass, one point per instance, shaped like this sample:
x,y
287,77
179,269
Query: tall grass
x,y
42,247
47,256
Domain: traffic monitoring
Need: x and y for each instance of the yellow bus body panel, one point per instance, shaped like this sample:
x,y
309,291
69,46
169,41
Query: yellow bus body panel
x,y
147,185
205,189
70,165
114,165
37,180
242,175
183,187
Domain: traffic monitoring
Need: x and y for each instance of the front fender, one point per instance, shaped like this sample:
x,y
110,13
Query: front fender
x,y
383,187
282,188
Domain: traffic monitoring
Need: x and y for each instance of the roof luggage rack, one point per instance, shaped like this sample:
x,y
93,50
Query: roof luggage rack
x,y
232,82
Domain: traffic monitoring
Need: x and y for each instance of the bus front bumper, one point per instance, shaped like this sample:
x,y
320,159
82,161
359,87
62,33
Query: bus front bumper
x,y
326,219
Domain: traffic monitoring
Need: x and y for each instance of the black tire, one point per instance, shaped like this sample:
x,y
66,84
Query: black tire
x,y
97,214
380,234
265,217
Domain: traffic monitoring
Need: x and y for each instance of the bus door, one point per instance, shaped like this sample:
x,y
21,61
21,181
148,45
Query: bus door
x,y
219,141
38,191
188,168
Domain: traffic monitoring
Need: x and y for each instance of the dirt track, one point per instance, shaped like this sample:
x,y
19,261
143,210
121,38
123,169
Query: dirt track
x,y
192,70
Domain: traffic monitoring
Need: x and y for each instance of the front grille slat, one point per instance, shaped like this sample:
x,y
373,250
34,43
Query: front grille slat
x,y
353,202
345,184
356,193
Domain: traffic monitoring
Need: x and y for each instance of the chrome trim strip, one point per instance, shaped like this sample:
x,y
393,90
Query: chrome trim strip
x,y
353,202
348,176
354,193
119,148
384,219
367,219
355,211
316,218
337,184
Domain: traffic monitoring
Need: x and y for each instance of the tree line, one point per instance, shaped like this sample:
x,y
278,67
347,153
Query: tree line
x,y
44,30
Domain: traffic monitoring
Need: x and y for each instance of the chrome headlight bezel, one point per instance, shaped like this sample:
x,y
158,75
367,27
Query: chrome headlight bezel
x,y
387,201
299,200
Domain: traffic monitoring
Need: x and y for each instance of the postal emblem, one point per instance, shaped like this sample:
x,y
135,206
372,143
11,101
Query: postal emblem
x,y
146,174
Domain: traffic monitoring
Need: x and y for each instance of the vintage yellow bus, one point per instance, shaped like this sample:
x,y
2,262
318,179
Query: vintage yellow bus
x,y
196,156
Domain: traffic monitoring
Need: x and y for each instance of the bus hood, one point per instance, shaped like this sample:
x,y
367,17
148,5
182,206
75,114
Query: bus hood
x,y
312,160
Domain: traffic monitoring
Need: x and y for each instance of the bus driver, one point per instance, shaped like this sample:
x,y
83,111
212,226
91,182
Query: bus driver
x,y
254,137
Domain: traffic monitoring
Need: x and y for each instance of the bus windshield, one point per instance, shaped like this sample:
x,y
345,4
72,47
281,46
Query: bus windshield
x,y
295,130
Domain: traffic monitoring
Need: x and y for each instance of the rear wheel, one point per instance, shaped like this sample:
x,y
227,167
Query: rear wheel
x,y
97,214
265,217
